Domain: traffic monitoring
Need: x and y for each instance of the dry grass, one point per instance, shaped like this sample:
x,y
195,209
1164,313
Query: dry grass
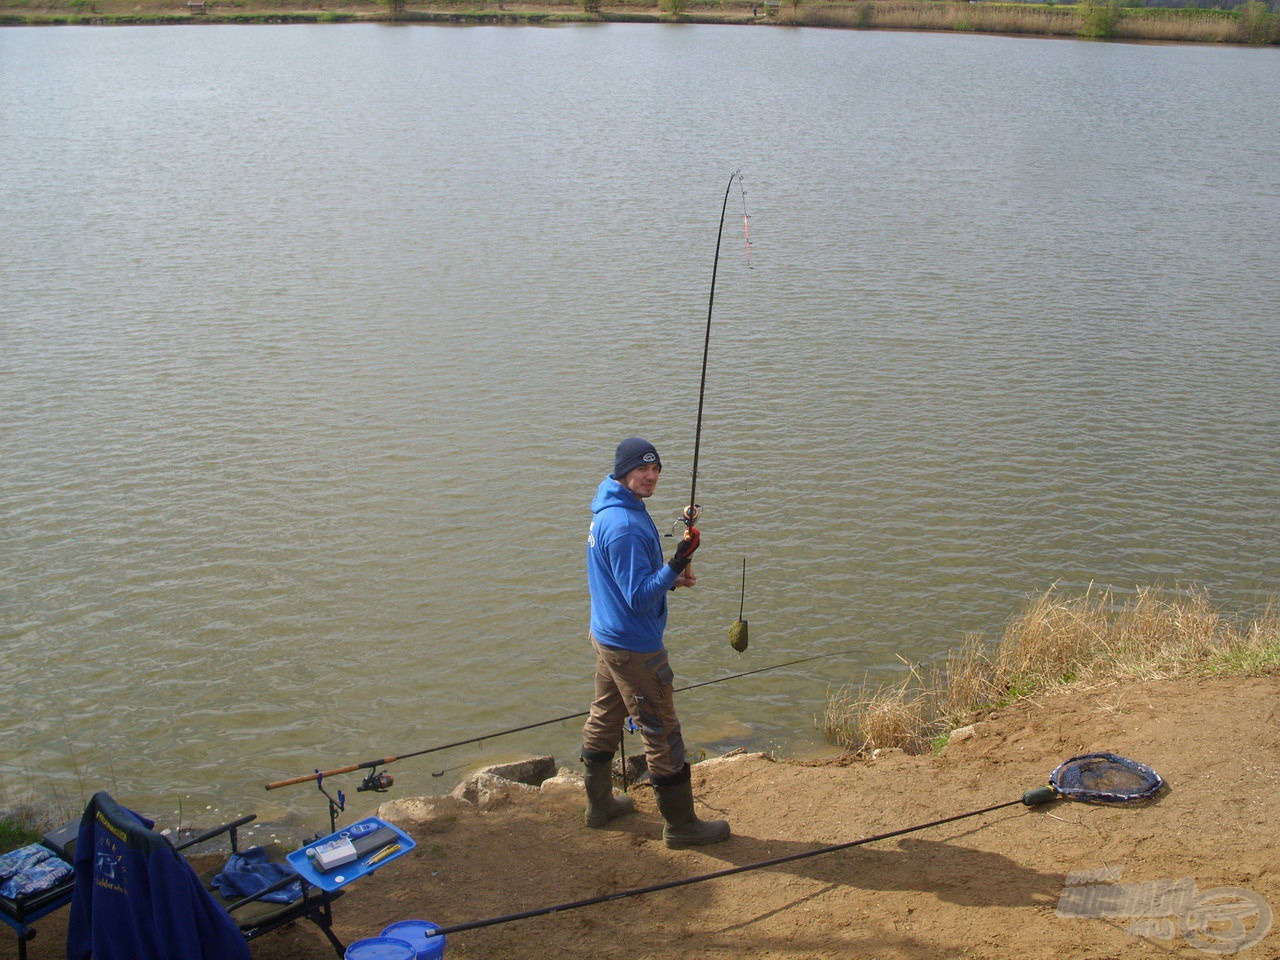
x,y
1060,20
911,15
1156,24
1057,640
892,715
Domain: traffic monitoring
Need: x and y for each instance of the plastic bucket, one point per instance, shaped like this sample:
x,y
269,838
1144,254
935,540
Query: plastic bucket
x,y
425,937
381,948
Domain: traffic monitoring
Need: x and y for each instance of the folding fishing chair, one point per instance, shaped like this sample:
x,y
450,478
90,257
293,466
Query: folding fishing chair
x,y
22,911
137,897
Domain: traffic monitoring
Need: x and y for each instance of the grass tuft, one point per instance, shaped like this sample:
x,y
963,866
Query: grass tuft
x,y
893,715
1056,641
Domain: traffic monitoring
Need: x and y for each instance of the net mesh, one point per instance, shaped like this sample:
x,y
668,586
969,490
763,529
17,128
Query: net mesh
x,y
1105,778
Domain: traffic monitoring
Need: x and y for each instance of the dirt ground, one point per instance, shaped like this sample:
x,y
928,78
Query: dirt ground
x,y
1066,879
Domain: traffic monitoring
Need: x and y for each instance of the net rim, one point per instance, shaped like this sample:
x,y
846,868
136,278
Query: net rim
x,y
1154,783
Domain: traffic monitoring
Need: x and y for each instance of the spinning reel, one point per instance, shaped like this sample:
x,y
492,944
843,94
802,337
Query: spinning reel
x,y
379,781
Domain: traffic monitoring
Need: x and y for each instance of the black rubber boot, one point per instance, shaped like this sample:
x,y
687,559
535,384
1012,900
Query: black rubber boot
x,y
683,828
603,804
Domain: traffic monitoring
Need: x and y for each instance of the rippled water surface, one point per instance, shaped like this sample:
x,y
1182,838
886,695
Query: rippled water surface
x,y
316,341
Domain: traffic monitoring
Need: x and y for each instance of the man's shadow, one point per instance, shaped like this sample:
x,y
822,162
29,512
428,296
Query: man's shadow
x,y
947,868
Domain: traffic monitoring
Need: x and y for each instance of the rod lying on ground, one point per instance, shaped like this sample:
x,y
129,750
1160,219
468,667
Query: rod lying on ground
x,y
1090,778
730,871
383,761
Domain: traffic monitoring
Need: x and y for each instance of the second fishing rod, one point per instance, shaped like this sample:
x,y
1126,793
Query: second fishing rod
x,y
378,781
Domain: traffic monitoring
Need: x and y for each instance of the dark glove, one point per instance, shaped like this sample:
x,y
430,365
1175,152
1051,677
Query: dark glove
x,y
684,551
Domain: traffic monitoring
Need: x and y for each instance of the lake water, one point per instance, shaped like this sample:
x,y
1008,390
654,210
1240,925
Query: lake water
x,y
316,341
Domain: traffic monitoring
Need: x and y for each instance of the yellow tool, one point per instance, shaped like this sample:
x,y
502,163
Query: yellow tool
x,y
382,854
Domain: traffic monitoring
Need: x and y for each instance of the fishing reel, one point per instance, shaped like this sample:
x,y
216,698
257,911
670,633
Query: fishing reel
x,y
688,517
379,781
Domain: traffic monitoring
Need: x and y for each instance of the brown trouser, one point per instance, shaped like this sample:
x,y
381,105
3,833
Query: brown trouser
x,y
639,685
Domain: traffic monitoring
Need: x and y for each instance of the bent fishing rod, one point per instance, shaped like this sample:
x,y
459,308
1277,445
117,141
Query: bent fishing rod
x,y
372,781
691,512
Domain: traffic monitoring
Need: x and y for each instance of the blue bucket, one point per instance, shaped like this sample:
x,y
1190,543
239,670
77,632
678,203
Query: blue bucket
x,y
381,948
425,937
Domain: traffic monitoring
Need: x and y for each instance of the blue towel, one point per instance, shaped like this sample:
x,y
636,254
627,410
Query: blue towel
x,y
15,861
30,869
249,871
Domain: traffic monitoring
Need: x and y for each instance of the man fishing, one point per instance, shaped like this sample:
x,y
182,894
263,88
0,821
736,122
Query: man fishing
x,y
629,582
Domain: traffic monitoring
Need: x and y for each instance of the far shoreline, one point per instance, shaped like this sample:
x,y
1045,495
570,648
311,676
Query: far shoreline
x,y
1252,23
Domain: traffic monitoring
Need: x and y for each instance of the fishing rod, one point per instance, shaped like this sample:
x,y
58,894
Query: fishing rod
x,y
1091,778
691,512
1030,798
377,781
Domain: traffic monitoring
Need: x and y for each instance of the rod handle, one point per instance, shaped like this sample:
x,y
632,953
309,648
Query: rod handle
x,y
1034,798
307,778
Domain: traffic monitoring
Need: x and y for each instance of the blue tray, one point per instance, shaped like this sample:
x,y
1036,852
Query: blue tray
x,y
340,876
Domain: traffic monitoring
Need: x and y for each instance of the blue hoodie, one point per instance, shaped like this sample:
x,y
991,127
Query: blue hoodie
x,y
626,574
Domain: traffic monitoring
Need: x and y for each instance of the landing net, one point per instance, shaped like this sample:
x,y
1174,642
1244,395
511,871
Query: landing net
x,y
1105,778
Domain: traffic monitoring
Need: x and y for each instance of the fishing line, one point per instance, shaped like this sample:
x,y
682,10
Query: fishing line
x,y
372,765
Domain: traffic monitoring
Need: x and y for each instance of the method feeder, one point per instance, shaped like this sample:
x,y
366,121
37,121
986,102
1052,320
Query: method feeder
x,y
738,629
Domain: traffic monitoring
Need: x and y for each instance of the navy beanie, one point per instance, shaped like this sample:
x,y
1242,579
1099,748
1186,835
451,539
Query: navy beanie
x,y
631,453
